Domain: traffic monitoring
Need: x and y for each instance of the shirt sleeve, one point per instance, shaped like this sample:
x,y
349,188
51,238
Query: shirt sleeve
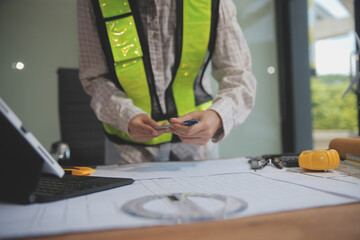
x,y
108,102
231,67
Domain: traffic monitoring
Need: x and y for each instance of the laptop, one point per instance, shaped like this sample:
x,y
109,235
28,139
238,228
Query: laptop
x,y
29,174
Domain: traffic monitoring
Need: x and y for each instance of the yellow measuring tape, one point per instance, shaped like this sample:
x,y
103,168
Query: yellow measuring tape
x,y
319,159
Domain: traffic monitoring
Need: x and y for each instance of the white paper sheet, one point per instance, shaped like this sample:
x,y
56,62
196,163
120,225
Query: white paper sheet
x,y
174,169
267,191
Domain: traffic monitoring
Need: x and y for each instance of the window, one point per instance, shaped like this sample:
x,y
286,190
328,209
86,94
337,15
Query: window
x,y
332,57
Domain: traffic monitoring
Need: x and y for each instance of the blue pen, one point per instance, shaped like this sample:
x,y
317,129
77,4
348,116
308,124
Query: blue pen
x,y
185,123
189,122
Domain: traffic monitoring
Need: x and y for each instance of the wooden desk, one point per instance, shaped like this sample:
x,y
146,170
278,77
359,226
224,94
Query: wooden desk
x,y
339,222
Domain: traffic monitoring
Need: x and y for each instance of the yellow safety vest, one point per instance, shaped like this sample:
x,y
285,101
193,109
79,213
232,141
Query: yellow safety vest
x,y
128,59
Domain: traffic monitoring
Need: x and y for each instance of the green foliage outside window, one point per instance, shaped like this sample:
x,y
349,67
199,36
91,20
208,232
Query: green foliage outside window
x,y
329,111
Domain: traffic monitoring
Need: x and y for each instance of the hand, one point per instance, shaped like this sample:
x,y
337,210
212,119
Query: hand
x,y
201,133
141,128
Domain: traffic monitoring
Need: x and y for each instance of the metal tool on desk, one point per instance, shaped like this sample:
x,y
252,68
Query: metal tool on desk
x,y
315,160
277,160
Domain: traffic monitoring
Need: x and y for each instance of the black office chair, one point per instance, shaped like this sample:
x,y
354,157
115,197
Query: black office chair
x,y
79,127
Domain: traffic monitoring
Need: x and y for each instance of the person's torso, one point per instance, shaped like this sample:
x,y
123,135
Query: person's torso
x,y
159,24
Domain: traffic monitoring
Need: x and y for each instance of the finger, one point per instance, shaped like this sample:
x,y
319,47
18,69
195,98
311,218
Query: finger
x,y
143,130
189,116
148,130
148,125
151,122
184,130
145,136
196,129
162,131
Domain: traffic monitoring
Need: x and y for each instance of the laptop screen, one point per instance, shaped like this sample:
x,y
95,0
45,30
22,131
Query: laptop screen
x,y
12,125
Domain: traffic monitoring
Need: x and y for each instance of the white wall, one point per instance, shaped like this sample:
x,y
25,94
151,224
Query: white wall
x,y
261,133
43,35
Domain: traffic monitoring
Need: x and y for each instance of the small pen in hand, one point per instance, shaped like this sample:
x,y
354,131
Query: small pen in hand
x,y
185,123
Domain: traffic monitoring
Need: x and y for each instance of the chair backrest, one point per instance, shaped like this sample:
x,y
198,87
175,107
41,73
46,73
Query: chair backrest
x,y
79,127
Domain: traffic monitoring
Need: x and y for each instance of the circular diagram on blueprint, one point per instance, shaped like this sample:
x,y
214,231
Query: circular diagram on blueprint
x,y
185,207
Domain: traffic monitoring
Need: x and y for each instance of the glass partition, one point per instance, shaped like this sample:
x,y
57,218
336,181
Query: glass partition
x,y
261,133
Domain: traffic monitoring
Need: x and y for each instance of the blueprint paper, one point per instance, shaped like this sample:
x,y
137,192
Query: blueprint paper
x,y
269,190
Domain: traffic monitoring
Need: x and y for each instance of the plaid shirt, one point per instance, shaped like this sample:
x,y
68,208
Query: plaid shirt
x,y
231,67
